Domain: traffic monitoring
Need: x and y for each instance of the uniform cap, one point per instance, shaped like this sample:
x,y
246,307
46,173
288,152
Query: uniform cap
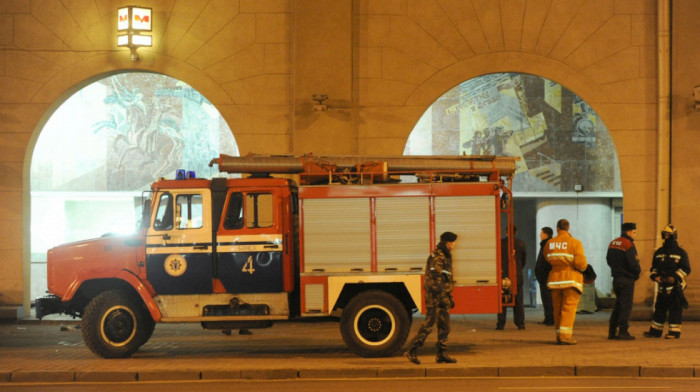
x,y
448,236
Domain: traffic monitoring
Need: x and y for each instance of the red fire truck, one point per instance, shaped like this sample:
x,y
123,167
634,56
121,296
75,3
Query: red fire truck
x,y
349,242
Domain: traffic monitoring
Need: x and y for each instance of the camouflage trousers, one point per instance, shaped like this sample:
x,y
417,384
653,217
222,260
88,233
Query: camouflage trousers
x,y
437,309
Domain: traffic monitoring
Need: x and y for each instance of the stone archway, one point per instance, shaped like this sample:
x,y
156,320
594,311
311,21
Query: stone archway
x,y
104,145
67,82
568,162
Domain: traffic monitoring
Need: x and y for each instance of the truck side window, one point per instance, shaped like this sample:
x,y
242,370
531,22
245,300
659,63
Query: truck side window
x,y
259,210
164,214
234,214
188,213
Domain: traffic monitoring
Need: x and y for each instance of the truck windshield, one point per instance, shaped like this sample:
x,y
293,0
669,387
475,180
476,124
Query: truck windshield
x,y
188,213
185,213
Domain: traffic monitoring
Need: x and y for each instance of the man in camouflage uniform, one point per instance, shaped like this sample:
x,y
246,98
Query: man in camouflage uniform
x,y
438,299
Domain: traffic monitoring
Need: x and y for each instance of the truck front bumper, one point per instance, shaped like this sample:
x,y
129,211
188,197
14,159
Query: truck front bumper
x,y
49,304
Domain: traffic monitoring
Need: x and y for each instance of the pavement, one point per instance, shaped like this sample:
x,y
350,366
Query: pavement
x,y
53,351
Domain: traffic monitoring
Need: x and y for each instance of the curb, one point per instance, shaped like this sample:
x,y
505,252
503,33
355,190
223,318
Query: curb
x,y
669,371
537,371
105,376
608,371
361,372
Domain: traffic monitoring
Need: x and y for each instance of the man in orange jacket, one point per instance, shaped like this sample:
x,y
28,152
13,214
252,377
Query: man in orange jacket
x,y
565,254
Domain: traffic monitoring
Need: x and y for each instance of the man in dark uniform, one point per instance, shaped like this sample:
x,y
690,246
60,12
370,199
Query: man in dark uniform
x,y
518,307
542,269
624,266
669,268
438,299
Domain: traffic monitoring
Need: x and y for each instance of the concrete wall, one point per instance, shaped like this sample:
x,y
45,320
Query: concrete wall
x,y
381,62
685,132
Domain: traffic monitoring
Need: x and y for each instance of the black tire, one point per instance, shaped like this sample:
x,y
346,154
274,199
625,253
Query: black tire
x,y
375,324
115,324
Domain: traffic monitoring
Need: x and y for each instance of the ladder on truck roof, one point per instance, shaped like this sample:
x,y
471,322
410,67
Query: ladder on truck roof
x,y
371,169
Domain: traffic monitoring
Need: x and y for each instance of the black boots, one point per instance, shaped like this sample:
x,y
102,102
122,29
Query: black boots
x,y
624,335
656,333
411,355
442,357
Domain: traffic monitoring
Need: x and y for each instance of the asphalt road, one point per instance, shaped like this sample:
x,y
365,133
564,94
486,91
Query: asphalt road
x,y
519,384
299,353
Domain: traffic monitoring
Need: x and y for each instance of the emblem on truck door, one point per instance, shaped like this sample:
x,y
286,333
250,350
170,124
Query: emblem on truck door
x,y
175,265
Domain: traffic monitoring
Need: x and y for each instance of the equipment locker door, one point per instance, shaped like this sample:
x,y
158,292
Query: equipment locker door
x,y
249,242
178,244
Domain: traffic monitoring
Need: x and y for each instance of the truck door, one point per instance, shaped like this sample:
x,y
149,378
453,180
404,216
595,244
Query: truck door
x,y
250,242
178,244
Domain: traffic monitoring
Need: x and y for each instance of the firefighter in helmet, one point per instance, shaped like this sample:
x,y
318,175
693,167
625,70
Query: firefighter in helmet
x,y
438,299
669,269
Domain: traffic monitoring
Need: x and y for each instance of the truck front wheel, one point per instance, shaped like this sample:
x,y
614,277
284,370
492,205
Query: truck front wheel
x,y
375,324
115,325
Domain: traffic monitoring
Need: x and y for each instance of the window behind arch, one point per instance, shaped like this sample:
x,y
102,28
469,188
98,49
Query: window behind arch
x,y
106,144
560,140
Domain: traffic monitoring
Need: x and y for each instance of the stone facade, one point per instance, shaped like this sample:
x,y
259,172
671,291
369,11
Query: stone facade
x,y
381,63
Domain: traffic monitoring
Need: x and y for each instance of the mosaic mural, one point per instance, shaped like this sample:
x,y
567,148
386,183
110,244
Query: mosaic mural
x,y
560,140
123,132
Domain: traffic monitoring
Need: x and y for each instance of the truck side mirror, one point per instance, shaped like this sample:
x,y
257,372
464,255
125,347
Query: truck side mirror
x,y
145,214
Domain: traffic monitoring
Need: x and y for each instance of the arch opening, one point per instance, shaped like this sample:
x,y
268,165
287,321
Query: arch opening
x,y
568,163
104,145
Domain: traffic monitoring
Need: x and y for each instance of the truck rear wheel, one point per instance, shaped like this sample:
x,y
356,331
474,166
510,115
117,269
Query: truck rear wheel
x,y
375,324
115,325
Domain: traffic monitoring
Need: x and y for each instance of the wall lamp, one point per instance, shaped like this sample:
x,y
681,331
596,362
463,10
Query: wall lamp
x,y
131,22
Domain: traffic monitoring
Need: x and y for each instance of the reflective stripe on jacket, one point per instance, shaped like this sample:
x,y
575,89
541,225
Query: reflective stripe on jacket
x,y
670,260
565,254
